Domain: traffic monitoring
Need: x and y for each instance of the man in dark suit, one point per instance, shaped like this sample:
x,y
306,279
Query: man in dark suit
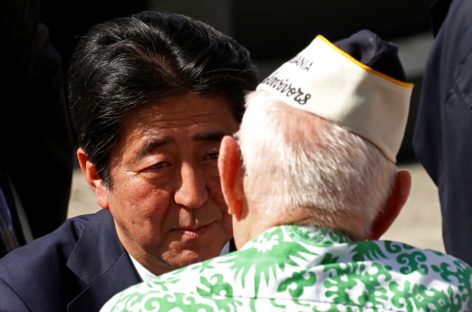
x,y
444,122
37,151
151,97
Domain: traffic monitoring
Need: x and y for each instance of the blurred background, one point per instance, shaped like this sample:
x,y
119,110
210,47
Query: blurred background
x,y
274,31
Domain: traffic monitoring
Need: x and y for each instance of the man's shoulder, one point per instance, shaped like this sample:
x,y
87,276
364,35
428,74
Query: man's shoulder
x,y
406,259
58,243
46,254
422,277
45,262
396,251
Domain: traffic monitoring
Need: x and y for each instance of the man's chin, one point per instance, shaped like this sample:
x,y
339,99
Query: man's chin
x,y
186,257
191,256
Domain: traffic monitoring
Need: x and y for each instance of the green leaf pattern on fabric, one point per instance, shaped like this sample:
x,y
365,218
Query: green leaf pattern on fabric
x,y
270,254
296,283
367,251
304,268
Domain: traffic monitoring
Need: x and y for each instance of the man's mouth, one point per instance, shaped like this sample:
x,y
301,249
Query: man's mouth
x,y
192,232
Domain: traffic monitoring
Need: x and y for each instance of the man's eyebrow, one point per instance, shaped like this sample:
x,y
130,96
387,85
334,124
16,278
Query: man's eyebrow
x,y
151,145
215,136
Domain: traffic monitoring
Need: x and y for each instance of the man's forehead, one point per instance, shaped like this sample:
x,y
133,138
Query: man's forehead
x,y
181,112
151,143
157,134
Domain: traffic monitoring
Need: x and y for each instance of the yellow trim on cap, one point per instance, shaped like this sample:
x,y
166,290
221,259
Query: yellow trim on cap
x,y
364,66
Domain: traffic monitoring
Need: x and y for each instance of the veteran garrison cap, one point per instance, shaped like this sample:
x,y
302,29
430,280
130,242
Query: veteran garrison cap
x,y
357,83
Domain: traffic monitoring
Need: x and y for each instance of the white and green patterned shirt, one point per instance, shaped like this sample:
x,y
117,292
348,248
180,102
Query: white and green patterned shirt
x,y
301,268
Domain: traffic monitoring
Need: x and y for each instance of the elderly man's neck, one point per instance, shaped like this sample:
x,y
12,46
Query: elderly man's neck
x,y
353,226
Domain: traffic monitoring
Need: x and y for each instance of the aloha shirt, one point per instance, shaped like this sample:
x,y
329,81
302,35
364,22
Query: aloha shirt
x,y
306,268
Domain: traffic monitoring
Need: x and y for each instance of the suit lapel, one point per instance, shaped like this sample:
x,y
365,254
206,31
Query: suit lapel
x,y
100,263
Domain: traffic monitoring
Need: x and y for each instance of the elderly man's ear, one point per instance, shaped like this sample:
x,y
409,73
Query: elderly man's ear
x,y
393,206
231,178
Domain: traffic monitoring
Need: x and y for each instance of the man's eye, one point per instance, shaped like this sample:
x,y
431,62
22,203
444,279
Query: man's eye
x,y
213,155
160,165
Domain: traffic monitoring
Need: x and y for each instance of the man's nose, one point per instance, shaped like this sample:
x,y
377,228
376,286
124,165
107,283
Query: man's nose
x,y
192,192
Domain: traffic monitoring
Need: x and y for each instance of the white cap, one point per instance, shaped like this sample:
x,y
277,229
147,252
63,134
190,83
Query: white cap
x,y
328,82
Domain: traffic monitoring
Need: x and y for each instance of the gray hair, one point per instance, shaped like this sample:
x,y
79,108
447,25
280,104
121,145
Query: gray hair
x,y
296,159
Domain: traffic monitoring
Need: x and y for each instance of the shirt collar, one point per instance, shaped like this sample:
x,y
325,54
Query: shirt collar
x,y
144,273
310,234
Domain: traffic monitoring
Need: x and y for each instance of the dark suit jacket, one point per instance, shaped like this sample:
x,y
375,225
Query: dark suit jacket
x,y
443,130
78,267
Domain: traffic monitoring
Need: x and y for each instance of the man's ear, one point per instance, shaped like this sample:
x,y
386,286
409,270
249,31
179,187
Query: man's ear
x,y
393,206
229,167
93,179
